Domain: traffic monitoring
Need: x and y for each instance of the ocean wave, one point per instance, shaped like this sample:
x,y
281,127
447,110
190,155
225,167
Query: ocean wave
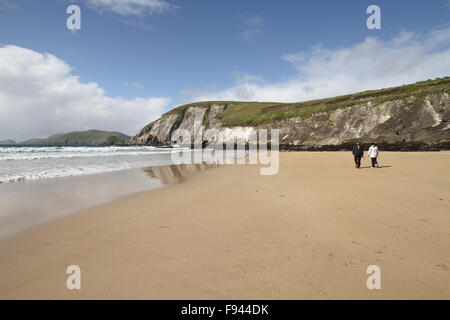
x,y
33,163
35,153
57,173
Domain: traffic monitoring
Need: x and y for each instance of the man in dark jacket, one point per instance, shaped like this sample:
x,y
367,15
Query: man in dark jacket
x,y
358,153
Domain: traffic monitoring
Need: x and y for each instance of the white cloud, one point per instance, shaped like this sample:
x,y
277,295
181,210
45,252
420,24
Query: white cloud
x,y
137,85
39,96
245,77
252,27
6,4
370,64
129,8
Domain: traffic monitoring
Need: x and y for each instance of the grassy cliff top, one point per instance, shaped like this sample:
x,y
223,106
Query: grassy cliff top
x,y
255,113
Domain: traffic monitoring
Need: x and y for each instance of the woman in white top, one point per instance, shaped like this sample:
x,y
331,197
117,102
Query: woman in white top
x,y
373,154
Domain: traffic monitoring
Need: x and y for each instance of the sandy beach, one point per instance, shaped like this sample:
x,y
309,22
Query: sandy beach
x,y
309,232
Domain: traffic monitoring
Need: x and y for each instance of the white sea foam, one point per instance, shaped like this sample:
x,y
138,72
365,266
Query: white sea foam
x,y
31,163
30,153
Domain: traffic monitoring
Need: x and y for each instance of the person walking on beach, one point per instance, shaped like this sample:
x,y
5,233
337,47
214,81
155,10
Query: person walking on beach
x,y
373,154
358,153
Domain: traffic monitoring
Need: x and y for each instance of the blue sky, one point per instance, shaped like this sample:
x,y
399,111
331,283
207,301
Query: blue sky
x,y
166,53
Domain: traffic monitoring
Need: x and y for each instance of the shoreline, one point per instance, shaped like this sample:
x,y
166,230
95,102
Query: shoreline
x,y
32,203
391,147
308,232
347,146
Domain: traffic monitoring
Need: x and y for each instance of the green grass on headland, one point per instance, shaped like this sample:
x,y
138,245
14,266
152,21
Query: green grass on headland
x,y
256,113
90,137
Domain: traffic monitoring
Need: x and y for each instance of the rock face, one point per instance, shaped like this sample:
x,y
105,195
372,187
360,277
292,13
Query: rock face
x,y
416,123
391,122
159,131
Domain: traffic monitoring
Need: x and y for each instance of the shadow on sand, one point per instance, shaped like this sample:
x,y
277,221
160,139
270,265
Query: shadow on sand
x,y
380,167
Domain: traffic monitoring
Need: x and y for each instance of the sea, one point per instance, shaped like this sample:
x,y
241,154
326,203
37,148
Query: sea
x,y
32,163
40,184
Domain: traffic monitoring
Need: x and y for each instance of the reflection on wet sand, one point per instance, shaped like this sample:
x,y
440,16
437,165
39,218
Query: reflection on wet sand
x,y
29,203
25,204
174,174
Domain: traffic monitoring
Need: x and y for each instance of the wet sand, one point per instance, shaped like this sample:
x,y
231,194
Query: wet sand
x,y
308,232
30,203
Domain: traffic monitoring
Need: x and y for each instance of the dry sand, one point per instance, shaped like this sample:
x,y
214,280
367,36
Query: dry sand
x,y
308,232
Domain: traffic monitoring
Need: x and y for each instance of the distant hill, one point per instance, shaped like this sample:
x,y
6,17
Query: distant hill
x,y
81,138
7,142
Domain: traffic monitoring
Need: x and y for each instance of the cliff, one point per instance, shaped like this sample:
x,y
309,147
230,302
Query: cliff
x,y
415,116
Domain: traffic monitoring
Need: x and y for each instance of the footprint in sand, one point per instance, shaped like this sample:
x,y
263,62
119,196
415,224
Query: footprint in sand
x,y
442,266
